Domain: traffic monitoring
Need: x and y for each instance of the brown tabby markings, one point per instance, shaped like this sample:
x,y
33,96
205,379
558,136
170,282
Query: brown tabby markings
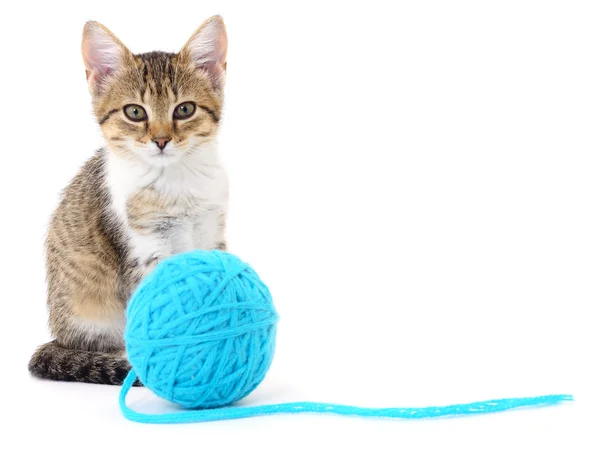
x,y
146,210
83,261
165,80
90,273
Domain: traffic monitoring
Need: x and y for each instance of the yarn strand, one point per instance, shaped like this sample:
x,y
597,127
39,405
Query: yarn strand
x,y
200,333
225,413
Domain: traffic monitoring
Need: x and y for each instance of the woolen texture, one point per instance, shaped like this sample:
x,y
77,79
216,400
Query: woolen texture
x,y
200,329
201,333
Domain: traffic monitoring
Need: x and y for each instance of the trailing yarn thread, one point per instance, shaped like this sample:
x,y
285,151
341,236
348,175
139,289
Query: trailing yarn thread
x,y
201,332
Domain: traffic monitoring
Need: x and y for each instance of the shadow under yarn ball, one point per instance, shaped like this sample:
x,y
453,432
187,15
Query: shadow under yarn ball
x,y
201,329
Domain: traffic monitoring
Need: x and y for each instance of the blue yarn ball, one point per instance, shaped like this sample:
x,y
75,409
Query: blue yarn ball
x,y
200,329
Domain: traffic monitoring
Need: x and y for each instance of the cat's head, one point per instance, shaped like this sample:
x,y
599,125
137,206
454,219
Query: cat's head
x,y
157,107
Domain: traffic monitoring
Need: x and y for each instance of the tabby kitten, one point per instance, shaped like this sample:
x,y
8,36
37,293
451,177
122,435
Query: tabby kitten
x,y
154,190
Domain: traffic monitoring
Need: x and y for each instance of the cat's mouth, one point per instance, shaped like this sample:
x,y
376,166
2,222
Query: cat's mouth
x,y
155,156
164,154
162,159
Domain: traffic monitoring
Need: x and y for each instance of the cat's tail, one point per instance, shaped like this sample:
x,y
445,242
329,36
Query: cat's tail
x,y
50,361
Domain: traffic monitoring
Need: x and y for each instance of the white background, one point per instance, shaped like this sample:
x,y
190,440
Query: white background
x,y
418,184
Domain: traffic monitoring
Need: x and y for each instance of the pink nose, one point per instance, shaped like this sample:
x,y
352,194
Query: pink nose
x,y
161,142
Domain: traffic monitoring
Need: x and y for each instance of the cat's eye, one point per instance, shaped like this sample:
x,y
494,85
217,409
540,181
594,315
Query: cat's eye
x,y
135,113
184,110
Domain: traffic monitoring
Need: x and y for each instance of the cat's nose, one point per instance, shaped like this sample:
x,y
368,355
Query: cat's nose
x,y
161,142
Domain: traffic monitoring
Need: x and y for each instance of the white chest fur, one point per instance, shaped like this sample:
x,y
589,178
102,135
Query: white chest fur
x,y
196,188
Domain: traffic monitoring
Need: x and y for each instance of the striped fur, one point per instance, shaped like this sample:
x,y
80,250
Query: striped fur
x,y
132,203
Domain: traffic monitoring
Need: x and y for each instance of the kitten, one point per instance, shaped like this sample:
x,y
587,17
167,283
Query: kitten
x,y
156,189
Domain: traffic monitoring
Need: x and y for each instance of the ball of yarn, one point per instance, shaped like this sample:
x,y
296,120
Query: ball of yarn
x,y
200,329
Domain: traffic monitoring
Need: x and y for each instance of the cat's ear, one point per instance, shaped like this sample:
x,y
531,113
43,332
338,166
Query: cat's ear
x,y
103,54
207,49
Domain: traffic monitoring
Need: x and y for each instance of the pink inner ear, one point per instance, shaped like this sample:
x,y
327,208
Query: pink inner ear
x,y
97,77
208,48
213,68
101,55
